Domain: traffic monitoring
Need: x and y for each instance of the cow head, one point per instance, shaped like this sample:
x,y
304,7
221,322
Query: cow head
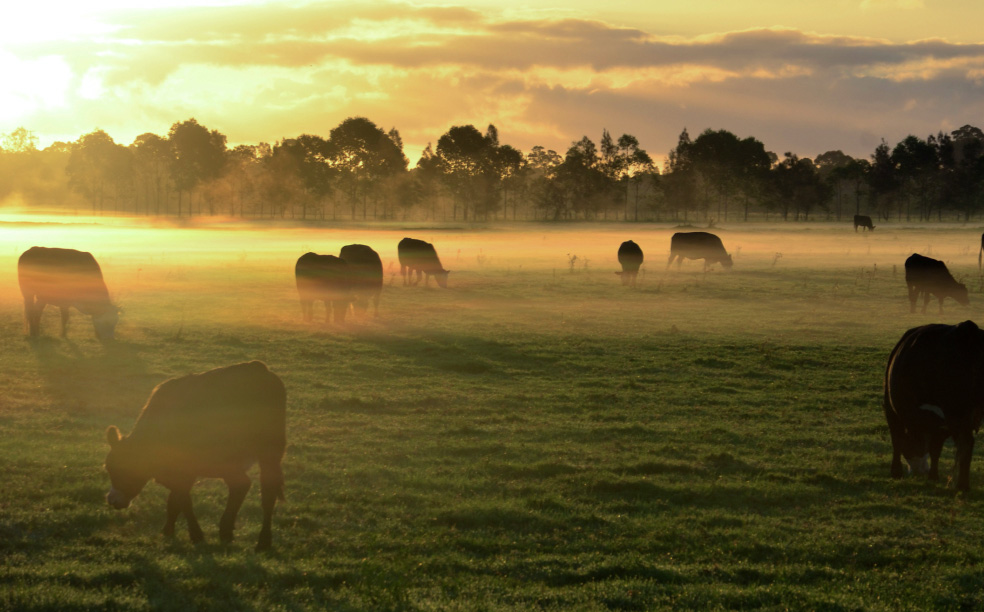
x,y
442,278
105,323
124,474
960,294
727,262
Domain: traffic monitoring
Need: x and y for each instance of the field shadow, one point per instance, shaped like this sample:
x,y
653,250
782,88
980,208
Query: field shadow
x,y
457,353
113,380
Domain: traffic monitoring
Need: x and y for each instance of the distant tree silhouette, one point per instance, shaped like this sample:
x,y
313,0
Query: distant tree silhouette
x,y
199,156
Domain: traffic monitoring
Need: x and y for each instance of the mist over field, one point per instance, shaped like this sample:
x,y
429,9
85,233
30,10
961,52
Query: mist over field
x,y
535,435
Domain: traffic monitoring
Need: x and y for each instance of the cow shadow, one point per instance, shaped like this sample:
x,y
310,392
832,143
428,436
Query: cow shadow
x,y
111,380
457,353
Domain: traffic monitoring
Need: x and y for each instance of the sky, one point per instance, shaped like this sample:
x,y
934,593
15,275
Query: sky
x,y
805,76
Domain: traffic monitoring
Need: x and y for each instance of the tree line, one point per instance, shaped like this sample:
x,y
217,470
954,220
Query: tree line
x,y
360,172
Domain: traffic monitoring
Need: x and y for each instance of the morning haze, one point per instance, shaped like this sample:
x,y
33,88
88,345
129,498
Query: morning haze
x,y
207,401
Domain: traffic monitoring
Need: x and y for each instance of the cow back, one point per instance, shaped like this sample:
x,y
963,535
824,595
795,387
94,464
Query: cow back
x,y
630,256
62,276
365,266
222,414
322,276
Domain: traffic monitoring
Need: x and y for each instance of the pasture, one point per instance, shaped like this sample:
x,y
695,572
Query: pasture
x,y
536,436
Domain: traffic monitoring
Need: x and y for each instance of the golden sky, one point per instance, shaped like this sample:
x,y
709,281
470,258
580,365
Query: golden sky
x,y
800,75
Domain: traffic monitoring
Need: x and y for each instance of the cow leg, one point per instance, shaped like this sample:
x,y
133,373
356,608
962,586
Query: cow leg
x,y
935,448
965,450
32,315
64,320
670,262
926,297
238,487
271,489
179,502
403,273
913,298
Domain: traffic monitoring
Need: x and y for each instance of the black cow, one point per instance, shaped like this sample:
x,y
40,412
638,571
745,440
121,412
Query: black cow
x,y
216,424
630,257
934,389
323,278
698,245
863,221
420,257
366,272
929,276
65,278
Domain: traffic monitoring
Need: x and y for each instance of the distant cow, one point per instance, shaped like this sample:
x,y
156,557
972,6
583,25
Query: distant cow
x,y
216,424
934,389
863,221
630,256
65,278
366,274
698,245
420,257
323,278
929,276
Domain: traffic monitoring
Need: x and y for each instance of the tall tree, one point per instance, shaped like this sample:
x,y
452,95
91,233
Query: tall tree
x,y
365,157
199,156
98,169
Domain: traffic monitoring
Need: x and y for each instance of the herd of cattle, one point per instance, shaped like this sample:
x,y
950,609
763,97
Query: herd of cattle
x,y
219,423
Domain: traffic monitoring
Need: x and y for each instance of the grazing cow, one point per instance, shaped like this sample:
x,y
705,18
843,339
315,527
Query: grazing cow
x,y
863,221
216,424
65,278
630,256
929,276
366,272
698,245
934,389
324,278
420,257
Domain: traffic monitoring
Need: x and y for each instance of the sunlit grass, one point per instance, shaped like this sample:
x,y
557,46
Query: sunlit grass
x,y
531,437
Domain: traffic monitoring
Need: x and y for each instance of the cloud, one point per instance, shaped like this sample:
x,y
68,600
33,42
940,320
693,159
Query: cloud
x,y
264,72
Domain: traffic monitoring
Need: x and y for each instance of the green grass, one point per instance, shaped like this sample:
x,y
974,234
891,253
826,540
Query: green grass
x,y
530,438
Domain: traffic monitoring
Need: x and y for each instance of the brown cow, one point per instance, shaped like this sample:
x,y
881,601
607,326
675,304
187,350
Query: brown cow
x,y
698,245
216,424
324,278
934,385
864,222
366,274
630,257
930,277
417,256
64,278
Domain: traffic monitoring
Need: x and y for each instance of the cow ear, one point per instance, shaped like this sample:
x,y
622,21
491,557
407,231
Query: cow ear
x,y
112,436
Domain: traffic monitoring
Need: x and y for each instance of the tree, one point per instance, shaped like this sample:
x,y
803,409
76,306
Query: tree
x,y
98,169
883,181
199,156
305,159
364,156
680,178
152,160
465,156
727,167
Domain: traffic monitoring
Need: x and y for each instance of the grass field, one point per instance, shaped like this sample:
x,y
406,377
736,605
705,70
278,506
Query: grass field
x,y
534,437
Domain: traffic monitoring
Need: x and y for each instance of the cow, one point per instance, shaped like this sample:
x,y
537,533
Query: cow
x,y
420,257
324,278
863,221
216,424
698,245
934,390
630,256
929,276
366,274
65,278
